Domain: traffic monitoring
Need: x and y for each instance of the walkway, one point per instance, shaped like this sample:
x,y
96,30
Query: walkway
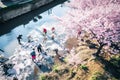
x,y
6,3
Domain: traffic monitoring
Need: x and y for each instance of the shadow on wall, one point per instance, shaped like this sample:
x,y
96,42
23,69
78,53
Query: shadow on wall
x,y
24,19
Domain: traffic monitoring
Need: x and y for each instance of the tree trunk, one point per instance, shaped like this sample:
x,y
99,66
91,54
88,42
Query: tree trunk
x,y
100,48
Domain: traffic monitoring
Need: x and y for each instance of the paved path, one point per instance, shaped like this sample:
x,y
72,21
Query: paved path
x,y
7,3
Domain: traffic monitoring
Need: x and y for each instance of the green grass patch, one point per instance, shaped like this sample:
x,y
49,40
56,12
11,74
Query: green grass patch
x,y
55,68
84,67
42,77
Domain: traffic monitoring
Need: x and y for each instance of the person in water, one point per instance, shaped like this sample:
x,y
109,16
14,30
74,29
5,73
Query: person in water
x,y
33,55
39,48
53,33
19,39
44,31
53,30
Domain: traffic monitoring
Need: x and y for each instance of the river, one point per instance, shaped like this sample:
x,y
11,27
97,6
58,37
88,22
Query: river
x,y
27,22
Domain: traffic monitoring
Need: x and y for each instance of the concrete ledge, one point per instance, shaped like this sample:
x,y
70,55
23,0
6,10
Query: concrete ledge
x,y
19,9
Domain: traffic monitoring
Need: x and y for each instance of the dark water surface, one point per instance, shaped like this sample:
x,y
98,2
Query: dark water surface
x,y
27,22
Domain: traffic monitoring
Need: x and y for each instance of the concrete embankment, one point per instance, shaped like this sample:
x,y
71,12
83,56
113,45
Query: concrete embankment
x,y
21,8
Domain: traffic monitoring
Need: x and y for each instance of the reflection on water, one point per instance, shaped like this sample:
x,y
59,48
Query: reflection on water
x,y
8,41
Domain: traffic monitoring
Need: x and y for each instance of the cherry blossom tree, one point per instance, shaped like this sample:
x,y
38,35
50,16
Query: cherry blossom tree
x,y
99,17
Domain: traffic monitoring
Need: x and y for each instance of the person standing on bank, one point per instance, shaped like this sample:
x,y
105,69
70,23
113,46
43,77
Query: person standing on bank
x,y
19,39
57,54
78,34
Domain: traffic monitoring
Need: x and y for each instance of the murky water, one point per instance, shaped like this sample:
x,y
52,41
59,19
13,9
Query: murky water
x,y
24,24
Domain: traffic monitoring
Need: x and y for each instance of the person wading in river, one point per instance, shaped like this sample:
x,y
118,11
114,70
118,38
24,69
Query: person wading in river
x,y
44,34
53,33
53,30
33,55
19,39
39,48
44,31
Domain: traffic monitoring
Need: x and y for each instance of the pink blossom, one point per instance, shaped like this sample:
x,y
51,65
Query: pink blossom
x,y
101,17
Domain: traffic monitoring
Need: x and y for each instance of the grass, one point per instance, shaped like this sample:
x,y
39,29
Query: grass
x,y
42,77
84,67
55,68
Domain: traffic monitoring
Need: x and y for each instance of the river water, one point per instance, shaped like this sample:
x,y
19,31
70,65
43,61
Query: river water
x,y
25,23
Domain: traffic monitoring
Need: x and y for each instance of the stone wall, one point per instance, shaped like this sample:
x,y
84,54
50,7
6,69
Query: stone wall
x,y
16,10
